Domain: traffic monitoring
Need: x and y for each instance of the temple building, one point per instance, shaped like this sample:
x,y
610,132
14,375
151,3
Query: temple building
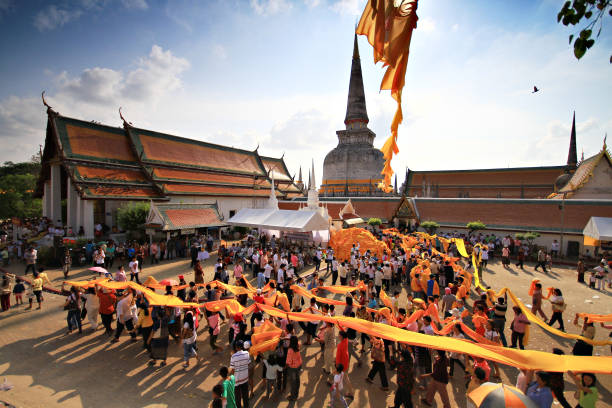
x,y
95,169
353,167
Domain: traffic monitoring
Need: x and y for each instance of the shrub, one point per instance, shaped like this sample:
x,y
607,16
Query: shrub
x,y
374,222
430,226
474,226
133,216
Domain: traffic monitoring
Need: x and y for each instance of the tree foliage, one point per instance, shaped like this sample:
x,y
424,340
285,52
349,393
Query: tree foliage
x,y
374,221
528,236
430,226
17,184
474,226
590,11
133,216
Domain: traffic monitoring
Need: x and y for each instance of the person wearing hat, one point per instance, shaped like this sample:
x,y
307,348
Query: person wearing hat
x,y
239,367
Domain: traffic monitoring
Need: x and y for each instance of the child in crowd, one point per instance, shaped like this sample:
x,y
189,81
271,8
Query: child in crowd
x,y
272,368
217,401
19,290
592,280
337,386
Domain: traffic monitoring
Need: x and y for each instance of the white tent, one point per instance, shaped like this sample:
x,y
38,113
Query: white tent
x,y
598,229
280,220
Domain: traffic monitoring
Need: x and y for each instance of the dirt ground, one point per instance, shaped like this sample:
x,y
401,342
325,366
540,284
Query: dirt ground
x,y
48,368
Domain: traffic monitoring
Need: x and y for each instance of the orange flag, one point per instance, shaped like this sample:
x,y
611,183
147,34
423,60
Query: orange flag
x,y
388,25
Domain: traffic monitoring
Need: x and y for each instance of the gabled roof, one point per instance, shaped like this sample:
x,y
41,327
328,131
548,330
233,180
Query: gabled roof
x,y
276,168
98,159
282,220
133,163
172,217
583,174
160,148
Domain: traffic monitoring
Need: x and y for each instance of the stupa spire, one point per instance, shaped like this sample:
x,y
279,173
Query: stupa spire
x,y
356,111
572,156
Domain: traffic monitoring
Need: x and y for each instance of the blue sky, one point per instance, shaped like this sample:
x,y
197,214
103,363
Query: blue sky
x,y
275,73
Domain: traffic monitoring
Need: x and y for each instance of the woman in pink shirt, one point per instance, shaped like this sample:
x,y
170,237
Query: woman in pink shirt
x,y
518,326
238,271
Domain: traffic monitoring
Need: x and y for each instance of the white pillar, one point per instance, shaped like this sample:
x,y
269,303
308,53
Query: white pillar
x,y
88,217
46,200
78,219
71,206
56,194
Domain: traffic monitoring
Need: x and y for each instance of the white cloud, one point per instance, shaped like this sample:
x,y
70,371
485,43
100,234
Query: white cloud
x,y
426,24
219,52
348,7
156,75
53,17
312,3
455,28
270,7
135,4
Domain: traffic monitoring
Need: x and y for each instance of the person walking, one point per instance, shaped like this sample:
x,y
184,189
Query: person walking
x,y
107,299
541,261
378,363
73,306
558,306
405,381
134,270
92,306
294,365
518,327
440,381
536,302
239,367
580,269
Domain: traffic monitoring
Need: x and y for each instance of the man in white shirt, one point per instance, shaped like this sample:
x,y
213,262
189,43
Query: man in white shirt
x,y
268,271
342,273
134,270
239,366
281,275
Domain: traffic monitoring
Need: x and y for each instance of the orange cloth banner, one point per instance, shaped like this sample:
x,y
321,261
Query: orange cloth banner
x,y
389,30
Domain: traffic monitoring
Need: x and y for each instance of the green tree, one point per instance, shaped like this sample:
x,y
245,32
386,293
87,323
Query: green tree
x,y
591,12
132,217
474,226
528,236
374,222
430,226
16,195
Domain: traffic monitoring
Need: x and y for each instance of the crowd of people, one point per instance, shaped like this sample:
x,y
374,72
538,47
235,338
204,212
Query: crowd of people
x,y
426,273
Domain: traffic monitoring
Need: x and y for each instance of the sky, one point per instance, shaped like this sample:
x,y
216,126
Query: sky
x,y
275,74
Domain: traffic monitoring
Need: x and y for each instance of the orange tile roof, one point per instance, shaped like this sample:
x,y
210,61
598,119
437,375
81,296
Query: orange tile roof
x,y
119,192
216,190
108,174
98,143
191,153
172,174
192,217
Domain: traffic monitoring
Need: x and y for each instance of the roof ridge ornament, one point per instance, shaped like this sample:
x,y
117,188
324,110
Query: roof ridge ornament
x,y
125,122
44,101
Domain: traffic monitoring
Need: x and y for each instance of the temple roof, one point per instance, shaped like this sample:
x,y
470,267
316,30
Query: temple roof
x,y
172,217
160,148
356,110
133,163
584,172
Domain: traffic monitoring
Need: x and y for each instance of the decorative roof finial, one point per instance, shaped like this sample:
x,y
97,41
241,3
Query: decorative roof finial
x,y
125,122
605,147
572,156
44,101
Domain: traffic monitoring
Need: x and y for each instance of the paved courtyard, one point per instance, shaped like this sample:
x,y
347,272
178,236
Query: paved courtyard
x,y
49,368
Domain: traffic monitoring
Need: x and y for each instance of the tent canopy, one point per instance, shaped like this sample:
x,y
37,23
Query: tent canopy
x,y
598,229
281,220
